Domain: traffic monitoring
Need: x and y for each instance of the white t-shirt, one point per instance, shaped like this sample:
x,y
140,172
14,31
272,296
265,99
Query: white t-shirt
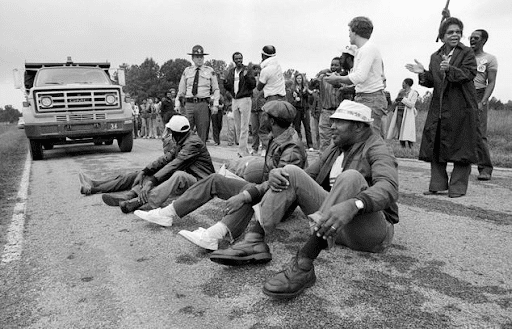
x,y
272,76
336,169
368,71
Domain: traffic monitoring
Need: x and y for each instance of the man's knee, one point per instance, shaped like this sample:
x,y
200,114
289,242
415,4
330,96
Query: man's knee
x,y
351,176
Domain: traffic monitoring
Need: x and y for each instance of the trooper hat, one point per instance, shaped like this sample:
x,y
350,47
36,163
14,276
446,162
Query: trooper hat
x,y
352,111
178,123
197,50
351,50
280,109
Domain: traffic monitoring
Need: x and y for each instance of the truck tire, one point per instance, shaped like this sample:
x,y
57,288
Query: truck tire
x,y
36,149
125,142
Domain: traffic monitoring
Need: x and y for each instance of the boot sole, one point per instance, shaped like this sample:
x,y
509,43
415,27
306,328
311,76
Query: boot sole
x,y
290,295
261,258
111,201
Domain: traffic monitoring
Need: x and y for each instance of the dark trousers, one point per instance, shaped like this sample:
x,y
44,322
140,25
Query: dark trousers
x,y
302,116
217,126
258,130
482,147
198,114
115,184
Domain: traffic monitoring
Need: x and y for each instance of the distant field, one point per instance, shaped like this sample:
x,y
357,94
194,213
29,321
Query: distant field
x,y
13,152
499,136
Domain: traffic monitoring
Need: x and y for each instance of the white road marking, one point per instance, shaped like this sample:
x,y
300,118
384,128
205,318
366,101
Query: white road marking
x,y
14,245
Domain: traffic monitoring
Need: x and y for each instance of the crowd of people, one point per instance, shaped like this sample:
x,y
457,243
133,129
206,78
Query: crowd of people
x,y
350,193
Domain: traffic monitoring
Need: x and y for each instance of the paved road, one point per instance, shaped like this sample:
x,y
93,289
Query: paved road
x,y
87,265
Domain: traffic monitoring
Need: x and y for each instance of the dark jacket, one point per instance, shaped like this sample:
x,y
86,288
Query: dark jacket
x,y
189,155
453,105
374,159
246,83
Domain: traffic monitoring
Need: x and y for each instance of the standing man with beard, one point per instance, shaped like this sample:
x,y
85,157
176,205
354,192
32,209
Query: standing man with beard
x,y
198,82
485,80
239,83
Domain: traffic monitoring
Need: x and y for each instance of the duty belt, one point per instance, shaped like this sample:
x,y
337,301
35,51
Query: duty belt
x,y
197,99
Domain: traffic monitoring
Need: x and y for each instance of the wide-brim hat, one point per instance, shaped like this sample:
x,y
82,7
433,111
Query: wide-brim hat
x,y
280,109
353,111
198,50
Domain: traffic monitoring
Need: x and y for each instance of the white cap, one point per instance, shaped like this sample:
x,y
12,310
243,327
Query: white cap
x,y
352,111
351,50
178,123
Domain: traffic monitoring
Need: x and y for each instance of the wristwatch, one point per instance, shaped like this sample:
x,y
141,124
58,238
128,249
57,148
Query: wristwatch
x,y
359,204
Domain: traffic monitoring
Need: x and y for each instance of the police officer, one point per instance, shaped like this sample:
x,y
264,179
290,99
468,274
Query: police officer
x,y
197,85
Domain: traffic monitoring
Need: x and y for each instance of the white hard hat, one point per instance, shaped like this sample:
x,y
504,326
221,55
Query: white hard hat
x,y
178,123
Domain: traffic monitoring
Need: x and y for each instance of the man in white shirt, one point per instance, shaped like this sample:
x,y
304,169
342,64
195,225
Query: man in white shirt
x,y
368,71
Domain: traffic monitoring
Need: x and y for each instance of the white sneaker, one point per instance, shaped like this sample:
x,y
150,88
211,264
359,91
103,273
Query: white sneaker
x,y
200,238
154,216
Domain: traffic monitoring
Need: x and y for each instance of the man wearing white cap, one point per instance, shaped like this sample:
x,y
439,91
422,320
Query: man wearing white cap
x,y
349,194
170,175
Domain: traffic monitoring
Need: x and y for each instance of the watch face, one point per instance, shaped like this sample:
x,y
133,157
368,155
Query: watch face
x,y
359,204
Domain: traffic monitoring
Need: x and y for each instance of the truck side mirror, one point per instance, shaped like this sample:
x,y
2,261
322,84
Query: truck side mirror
x,y
121,78
18,79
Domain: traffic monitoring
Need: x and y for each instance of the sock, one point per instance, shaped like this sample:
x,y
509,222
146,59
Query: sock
x,y
217,231
313,247
169,211
256,228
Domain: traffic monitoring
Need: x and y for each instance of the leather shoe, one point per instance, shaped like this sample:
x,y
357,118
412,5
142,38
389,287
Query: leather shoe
x,y
430,192
113,199
484,176
290,282
130,205
251,250
455,195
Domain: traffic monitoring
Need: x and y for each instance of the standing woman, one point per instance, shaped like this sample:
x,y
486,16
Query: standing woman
x,y
450,128
152,118
403,122
300,96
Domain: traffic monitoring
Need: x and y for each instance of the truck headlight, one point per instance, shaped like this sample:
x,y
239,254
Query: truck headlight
x,y
46,101
110,99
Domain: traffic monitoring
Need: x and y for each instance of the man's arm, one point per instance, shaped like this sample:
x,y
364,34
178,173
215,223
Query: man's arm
x,y
491,83
182,89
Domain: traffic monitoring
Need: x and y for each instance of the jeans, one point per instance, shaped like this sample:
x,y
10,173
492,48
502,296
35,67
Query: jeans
x,y
242,113
378,103
303,117
259,132
482,146
224,188
115,184
366,232
315,132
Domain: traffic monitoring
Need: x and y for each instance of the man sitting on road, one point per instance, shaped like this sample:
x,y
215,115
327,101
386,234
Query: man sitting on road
x,y
181,166
349,193
285,148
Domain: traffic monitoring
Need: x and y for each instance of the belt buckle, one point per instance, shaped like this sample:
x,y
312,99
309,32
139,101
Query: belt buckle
x,y
195,99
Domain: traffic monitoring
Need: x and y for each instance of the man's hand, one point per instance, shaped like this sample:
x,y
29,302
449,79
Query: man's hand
x,y
234,203
143,196
336,217
139,179
215,109
334,79
278,180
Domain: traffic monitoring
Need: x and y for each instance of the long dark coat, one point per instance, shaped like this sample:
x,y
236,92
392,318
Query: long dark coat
x,y
454,105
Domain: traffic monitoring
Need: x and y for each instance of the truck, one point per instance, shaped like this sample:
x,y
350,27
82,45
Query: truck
x,y
70,103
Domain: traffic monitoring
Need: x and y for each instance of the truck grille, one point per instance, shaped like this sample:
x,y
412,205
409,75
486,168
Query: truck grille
x,y
77,100
80,117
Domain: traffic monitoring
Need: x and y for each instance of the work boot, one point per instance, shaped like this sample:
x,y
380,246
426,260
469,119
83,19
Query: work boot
x,y
130,205
251,250
290,282
113,199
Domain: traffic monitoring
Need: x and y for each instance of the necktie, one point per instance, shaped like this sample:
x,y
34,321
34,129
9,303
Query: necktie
x,y
196,82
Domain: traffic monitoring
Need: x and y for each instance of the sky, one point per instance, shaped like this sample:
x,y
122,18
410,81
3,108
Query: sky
x,y
307,34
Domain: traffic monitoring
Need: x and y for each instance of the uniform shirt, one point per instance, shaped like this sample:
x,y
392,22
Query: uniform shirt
x,y
272,76
485,63
207,84
368,71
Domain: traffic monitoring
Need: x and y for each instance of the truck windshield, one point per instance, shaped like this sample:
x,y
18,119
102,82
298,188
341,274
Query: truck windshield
x,y
68,75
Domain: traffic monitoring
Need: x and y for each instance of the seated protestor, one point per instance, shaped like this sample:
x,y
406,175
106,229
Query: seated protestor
x,y
186,161
249,168
349,193
284,148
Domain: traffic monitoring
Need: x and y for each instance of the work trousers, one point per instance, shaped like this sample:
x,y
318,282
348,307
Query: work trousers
x,y
378,103
482,146
217,126
259,131
366,232
220,186
198,115
324,127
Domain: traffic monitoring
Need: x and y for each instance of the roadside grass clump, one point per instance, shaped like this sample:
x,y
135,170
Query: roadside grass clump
x,y
13,152
499,136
